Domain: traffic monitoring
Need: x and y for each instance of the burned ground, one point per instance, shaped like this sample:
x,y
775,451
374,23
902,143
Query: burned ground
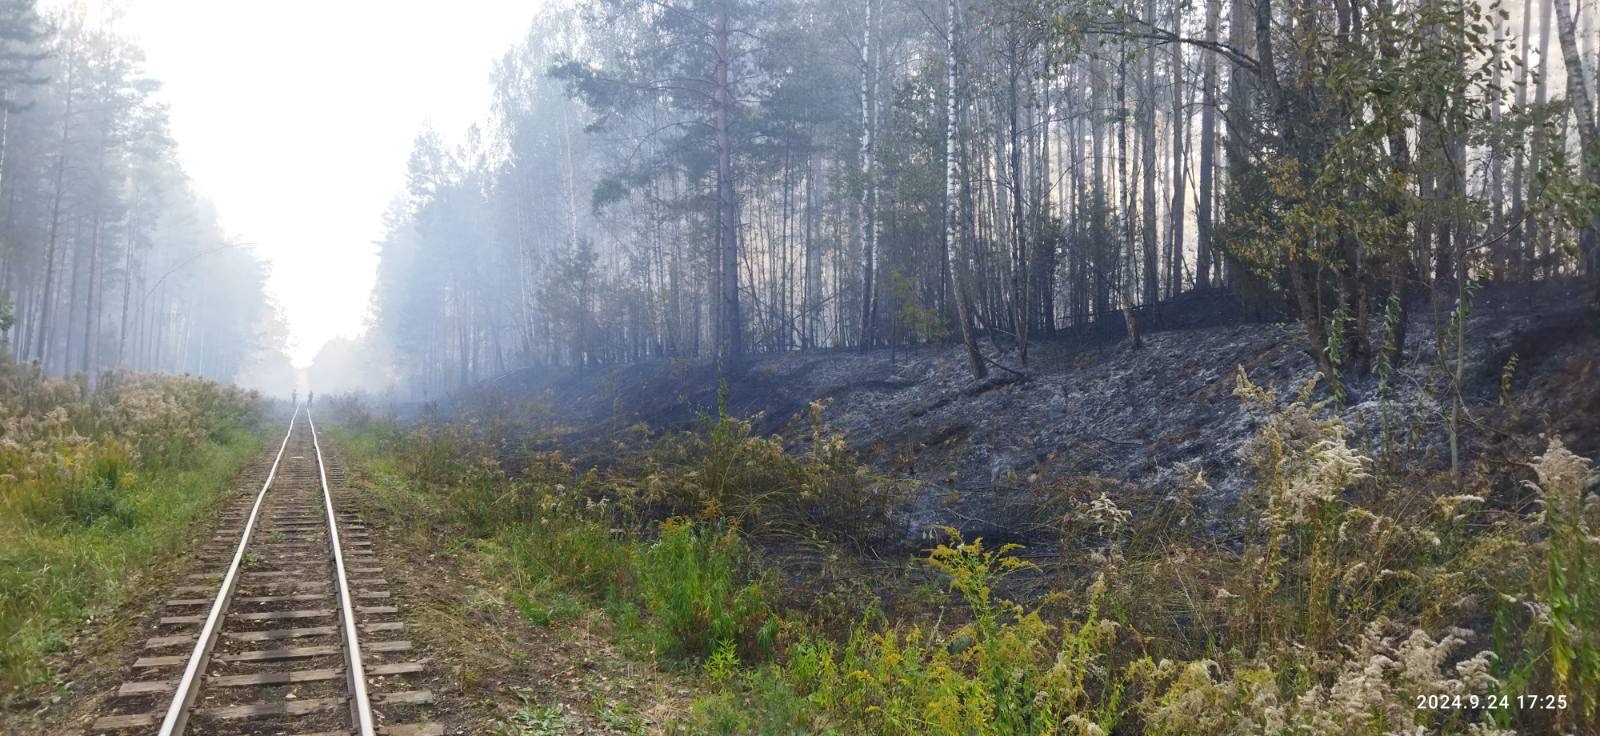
x,y
1091,414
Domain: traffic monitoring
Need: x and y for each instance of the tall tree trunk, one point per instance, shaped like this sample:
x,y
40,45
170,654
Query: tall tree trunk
x,y
1497,169
1125,183
74,269
1147,130
127,282
91,318
812,308
1304,275
1078,203
47,297
1538,242
869,189
1583,115
91,321
1100,266
1180,129
159,320
1400,262
730,345
1124,190
1242,89
1043,265
1516,238
1019,244
952,198
1208,152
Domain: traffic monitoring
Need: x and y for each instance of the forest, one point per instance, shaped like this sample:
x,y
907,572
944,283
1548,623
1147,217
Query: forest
x,y
110,259
677,179
781,367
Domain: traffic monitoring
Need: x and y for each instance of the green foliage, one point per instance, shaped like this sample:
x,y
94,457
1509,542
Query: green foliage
x,y
538,720
548,608
8,313
690,582
1342,606
1335,352
1334,194
1507,373
763,703
556,549
1008,671
96,486
923,322
538,532
723,664
723,472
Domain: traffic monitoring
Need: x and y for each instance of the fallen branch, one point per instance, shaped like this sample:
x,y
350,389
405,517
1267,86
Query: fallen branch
x,y
1020,376
1115,441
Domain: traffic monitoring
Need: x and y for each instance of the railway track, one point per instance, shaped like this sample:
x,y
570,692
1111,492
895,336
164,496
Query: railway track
x,y
297,636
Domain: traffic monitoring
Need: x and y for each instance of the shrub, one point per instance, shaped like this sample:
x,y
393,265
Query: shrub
x,y
1007,671
723,472
691,582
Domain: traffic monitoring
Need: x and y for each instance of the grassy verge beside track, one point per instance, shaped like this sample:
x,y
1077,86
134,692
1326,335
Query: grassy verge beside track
x,y
94,487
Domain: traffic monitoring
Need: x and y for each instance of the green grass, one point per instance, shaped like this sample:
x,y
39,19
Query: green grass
x,y
541,606
555,552
1350,594
57,573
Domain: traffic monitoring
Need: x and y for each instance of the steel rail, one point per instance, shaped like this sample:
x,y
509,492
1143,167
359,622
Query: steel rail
x,y
177,716
360,704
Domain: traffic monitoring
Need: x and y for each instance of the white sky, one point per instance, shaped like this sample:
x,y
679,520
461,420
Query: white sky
x,y
296,117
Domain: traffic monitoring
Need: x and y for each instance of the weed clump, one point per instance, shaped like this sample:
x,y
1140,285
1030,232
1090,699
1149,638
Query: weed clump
x,y
1008,670
722,472
690,581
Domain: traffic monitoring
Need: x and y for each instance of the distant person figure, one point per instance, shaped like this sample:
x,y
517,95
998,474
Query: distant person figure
x,y
309,395
294,397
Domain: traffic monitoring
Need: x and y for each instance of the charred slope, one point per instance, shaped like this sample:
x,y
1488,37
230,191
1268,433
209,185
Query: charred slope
x,y
993,457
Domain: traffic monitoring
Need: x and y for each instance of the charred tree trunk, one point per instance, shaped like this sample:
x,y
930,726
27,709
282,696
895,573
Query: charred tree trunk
x,y
813,253
1242,91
